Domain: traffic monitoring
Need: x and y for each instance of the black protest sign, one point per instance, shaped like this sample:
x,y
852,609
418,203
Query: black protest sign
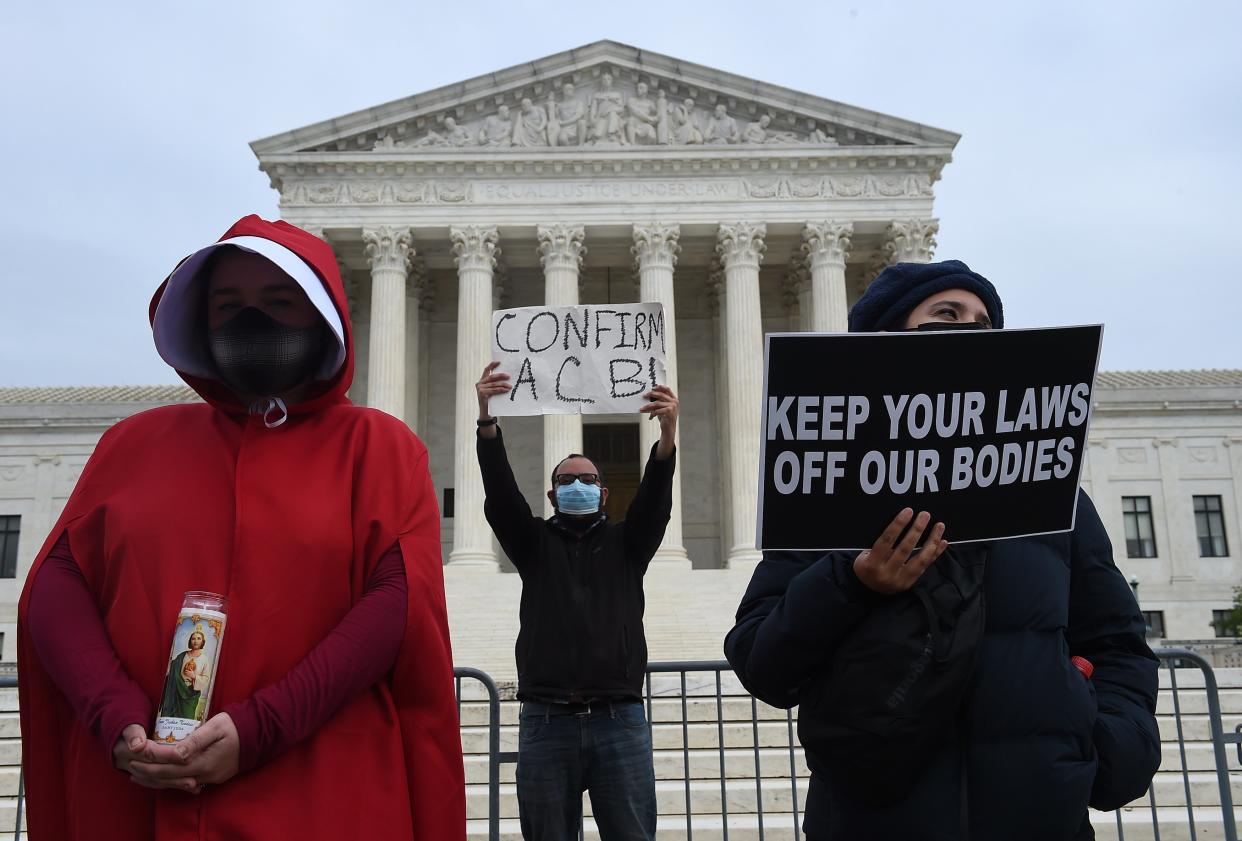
x,y
984,429
591,359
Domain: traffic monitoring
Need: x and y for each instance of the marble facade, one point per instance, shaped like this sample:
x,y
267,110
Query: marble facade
x,y
608,174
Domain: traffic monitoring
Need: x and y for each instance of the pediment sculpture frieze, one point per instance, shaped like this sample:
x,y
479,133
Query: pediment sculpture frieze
x,y
613,117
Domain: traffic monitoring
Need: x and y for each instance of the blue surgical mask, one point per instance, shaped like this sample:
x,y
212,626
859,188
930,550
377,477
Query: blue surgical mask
x,y
577,498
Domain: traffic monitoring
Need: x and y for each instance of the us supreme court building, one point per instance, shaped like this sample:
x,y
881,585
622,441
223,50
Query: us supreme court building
x,y
609,174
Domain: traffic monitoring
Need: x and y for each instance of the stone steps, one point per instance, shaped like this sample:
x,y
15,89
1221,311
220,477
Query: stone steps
x,y
741,799
1173,825
776,733
740,763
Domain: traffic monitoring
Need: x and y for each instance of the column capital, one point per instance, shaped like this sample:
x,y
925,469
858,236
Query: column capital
x,y
910,240
715,286
388,248
500,283
797,279
560,246
475,246
420,287
656,244
741,243
827,243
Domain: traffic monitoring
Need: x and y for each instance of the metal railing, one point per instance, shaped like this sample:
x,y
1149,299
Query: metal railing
x,y
494,756
668,684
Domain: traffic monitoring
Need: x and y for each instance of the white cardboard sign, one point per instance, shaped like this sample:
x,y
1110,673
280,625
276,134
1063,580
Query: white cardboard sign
x,y
592,359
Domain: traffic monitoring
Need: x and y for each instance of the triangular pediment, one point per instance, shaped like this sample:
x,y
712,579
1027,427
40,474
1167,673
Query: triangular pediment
x,y
607,96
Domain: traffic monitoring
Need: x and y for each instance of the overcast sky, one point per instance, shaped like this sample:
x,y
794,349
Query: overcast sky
x,y
1098,178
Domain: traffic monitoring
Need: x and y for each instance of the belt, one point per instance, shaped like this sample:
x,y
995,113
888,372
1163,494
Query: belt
x,y
574,707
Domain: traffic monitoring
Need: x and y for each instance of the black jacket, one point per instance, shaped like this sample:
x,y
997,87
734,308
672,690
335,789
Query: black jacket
x,y
1036,743
582,606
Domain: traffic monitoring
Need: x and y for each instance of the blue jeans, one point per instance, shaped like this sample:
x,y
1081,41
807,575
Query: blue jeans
x,y
564,751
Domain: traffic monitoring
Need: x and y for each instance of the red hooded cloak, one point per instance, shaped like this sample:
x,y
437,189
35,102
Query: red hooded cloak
x,y
288,523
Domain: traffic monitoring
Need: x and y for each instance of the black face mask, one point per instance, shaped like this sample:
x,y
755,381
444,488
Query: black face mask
x,y
258,355
929,326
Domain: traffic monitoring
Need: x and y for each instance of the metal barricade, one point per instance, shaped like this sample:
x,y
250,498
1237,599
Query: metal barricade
x,y
717,694
693,690
1143,819
494,756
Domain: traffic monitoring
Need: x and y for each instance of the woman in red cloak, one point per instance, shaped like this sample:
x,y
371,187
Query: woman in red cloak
x,y
333,713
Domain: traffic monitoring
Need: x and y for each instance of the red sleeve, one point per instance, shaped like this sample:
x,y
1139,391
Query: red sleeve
x,y
359,651
74,648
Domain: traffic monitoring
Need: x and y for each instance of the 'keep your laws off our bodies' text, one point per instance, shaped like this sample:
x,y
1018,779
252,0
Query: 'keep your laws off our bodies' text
x,y
985,430
918,417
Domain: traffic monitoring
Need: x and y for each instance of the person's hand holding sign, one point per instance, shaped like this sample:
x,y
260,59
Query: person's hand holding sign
x,y
890,566
663,404
488,386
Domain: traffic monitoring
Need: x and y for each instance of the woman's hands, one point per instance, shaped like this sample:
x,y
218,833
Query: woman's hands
x,y
890,566
209,756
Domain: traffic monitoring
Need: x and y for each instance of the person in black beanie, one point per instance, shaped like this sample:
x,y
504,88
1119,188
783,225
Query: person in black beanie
x,y
1038,737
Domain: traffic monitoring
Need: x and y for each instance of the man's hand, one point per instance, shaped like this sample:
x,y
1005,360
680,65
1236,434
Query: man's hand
x,y
488,386
209,755
889,567
663,404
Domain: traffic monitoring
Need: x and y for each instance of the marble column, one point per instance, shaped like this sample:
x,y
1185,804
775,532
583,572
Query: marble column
x,y
426,305
719,306
910,240
655,253
560,251
826,245
475,248
1178,520
740,246
413,342
389,253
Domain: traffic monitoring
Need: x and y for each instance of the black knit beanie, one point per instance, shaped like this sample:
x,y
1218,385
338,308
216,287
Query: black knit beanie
x,y
903,286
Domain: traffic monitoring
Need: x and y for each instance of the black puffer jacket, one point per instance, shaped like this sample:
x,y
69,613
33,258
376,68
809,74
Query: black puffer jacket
x,y
1036,743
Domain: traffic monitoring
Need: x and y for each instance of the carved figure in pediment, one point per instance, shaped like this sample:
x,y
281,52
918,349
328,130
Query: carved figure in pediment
x,y
386,142
757,132
454,135
644,118
818,135
681,119
721,128
497,129
760,132
607,110
567,121
531,125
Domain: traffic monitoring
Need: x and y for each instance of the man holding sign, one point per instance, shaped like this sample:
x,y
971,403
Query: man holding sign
x,y
581,651
923,715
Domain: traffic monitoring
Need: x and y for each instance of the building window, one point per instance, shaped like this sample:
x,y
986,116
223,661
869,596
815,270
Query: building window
x,y
1155,623
10,528
1140,535
1210,524
1226,623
